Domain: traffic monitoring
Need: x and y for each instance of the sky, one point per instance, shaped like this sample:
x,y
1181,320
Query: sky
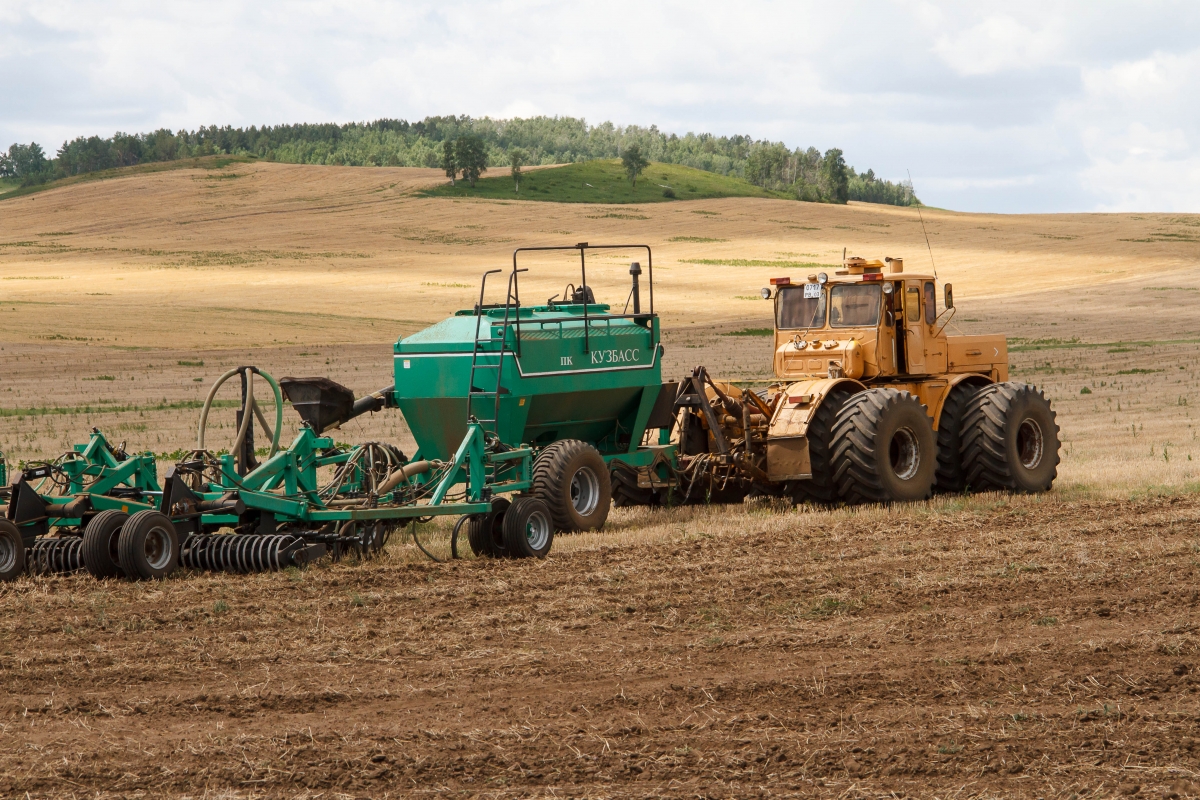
x,y
1002,107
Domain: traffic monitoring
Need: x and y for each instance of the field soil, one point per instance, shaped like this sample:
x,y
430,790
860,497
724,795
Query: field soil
x,y
992,647
969,646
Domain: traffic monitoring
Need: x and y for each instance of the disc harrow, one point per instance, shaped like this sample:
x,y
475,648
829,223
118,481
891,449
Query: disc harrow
x,y
56,555
243,553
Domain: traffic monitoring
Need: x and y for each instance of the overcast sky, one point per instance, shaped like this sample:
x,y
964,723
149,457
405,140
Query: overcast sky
x,y
1009,107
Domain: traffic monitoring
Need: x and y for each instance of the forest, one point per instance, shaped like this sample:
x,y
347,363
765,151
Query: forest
x,y
807,174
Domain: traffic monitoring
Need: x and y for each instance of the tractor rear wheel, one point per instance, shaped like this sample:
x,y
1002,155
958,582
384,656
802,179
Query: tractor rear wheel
x,y
821,489
572,480
883,448
528,528
950,478
100,544
1010,440
12,551
485,532
148,546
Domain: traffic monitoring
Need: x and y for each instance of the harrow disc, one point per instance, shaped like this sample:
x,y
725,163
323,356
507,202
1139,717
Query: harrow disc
x,y
54,556
243,553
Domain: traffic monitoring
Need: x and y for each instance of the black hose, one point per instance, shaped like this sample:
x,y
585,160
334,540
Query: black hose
x,y
423,550
454,536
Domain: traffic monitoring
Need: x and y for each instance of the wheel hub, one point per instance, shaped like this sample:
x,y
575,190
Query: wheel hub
x,y
1031,444
537,530
8,554
585,491
904,452
157,549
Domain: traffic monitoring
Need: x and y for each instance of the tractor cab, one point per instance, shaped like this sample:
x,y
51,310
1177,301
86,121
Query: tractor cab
x,y
869,320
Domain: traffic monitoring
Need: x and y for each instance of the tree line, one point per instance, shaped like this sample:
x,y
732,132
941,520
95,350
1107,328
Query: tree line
x,y
433,142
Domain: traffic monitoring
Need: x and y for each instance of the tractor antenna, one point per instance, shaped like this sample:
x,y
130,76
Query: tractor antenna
x,y
922,218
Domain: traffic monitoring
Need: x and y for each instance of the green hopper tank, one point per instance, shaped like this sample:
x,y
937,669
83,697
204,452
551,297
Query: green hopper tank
x,y
575,370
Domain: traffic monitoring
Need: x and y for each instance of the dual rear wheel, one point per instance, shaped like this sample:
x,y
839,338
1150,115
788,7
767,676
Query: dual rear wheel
x,y
882,448
142,547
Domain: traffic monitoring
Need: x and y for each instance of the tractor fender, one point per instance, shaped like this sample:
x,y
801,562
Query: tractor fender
x,y
969,378
800,402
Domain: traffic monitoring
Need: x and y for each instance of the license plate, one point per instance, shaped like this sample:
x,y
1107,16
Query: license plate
x,y
812,290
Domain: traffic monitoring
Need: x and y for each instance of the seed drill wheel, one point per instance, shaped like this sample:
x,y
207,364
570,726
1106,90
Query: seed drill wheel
x,y
528,528
883,448
12,551
571,478
950,477
1010,439
485,532
100,552
148,546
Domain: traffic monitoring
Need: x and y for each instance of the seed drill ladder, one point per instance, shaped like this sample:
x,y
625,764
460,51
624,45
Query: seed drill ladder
x,y
512,306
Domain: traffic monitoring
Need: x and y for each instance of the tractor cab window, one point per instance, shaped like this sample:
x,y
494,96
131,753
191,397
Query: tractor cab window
x,y
795,310
855,305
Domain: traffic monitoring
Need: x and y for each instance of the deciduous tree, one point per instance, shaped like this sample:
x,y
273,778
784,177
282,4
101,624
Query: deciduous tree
x,y
634,163
517,157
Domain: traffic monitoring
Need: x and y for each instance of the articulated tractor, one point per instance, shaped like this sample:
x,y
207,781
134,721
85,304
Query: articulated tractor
x,y
874,402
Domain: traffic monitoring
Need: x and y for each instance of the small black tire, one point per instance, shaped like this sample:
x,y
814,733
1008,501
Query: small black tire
x,y
148,547
485,532
950,478
12,551
1010,440
821,489
883,448
571,478
625,490
528,528
100,551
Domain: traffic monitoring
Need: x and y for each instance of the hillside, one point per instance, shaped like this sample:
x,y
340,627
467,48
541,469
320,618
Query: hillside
x,y
606,182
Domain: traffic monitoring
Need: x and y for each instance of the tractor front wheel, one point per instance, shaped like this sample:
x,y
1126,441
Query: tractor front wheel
x,y
883,448
528,528
148,547
12,551
1010,440
571,478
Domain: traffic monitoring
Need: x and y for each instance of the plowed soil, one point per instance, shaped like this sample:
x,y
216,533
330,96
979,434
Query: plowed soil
x,y
1040,647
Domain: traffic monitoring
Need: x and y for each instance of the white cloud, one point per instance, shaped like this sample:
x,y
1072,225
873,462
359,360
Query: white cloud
x,y
1004,106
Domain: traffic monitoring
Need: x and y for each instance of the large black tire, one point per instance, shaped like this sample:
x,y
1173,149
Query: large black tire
x,y
950,477
1010,440
148,547
12,551
883,448
528,528
821,489
572,480
485,532
100,537
625,489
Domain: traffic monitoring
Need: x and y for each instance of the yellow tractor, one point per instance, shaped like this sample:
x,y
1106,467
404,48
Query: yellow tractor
x,y
875,401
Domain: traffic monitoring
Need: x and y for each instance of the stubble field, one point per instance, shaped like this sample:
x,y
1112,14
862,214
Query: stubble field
x,y
969,646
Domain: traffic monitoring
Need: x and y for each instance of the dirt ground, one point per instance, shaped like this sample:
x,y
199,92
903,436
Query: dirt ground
x,y
992,647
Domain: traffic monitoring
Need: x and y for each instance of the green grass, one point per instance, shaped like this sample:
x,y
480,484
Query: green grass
x,y
10,189
605,182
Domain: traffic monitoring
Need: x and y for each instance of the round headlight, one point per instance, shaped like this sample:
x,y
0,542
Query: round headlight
x,y
888,288
766,293
822,278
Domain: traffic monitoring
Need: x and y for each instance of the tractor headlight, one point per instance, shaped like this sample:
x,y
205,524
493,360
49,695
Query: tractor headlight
x,y
888,288
822,278
766,293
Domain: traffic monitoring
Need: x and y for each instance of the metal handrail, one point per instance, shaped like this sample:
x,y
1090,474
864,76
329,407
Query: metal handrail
x,y
583,247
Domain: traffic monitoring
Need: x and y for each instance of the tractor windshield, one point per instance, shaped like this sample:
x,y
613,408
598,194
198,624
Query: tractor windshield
x,y
794,310
855,305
